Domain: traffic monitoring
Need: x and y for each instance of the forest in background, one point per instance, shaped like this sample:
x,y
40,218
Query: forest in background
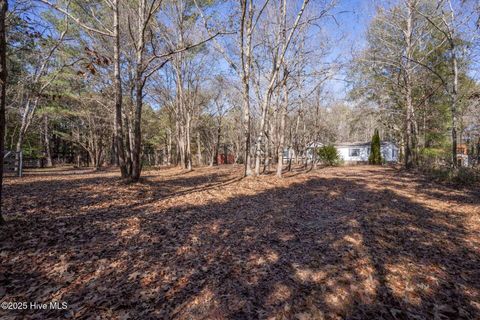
x,y
157,82
130,107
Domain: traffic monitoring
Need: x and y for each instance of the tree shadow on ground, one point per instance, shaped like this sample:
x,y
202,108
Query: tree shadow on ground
x,y
342,247
102,192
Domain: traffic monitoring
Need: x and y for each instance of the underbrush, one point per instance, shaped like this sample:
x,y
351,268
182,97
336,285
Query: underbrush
x,y
458,176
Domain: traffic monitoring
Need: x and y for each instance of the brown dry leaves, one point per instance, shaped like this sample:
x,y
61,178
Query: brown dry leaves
x,y
356,243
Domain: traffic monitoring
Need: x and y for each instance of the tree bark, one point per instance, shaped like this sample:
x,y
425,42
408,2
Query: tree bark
x,y
454,97
263,123
3,93
169,147
128,138
113,151
27,117
283,116
46,141
181,144
217,145
246,57
137,130
199,149
409,132
118,92
188,156
139,83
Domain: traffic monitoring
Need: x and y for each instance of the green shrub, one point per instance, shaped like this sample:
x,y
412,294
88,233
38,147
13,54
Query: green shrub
x,y
328,155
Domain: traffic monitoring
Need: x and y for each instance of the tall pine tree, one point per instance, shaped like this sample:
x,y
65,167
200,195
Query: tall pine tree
x,y
375,154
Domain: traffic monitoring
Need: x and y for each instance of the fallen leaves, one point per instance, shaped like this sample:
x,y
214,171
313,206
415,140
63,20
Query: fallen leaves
x,y
353,242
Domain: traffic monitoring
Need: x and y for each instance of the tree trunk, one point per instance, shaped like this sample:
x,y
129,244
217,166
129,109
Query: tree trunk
x,y
409,133
113,151
169,147
27,116
409,130
246,119
268,155
478,152
139,82
137,131
454,103
181,144
188,155
284,106
263,122
246,57
128,143
295,143
98,158
199,149
283,119
46,141
217,145
118,92
3,93
156,158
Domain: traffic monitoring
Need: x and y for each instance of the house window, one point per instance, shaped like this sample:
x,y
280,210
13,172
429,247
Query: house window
x,y
354,152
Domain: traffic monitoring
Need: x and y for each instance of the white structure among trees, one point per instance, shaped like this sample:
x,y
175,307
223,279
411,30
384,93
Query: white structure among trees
x,y
359,151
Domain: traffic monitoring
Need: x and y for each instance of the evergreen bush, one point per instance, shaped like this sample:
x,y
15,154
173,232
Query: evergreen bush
x,y
328,155
375,152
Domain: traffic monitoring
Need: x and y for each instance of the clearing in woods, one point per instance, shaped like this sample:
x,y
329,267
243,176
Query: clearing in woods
x,y
348,242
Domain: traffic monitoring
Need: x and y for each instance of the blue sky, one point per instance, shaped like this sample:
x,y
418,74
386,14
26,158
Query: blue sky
x,y
346,31
352,18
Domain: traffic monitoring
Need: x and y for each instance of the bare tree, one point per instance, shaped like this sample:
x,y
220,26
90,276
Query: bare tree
x,y
246,34
410,135
117,79
146,11
278,61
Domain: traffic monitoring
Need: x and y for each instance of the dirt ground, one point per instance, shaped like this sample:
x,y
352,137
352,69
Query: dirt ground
x,y
338,243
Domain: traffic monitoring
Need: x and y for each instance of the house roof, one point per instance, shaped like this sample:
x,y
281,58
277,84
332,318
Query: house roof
x,y
348,144
352,144
359,144
315,145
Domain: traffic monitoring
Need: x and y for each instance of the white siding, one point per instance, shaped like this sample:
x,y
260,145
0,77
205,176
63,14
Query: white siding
x,y
344,152
386,151
389,152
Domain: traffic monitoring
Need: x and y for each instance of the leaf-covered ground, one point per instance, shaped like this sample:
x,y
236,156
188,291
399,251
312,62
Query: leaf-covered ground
x,y
338,243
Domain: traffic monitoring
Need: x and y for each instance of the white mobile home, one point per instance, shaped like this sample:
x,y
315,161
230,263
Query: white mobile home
x,y
354,152
358,152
